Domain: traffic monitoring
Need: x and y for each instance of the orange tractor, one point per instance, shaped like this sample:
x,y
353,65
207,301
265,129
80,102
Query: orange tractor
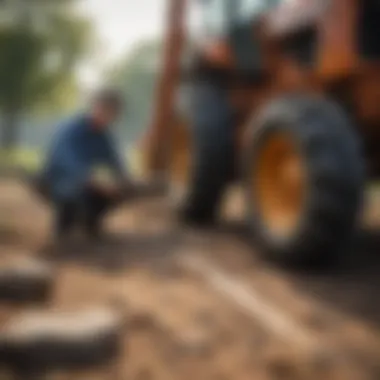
x,y
301,91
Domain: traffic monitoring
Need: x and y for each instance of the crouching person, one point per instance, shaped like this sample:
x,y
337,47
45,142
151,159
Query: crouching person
x,y
79,146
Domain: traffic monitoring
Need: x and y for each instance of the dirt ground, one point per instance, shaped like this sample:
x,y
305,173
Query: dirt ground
x,y
203,304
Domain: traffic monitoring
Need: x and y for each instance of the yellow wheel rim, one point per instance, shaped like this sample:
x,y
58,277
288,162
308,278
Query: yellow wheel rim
x,y
180,163
279,184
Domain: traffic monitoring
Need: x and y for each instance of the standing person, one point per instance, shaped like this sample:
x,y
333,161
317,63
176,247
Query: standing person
x,y
213,155
80,145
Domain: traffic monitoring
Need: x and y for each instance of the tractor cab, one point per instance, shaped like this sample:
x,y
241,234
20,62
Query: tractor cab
x,y
220,16
331,37
230,35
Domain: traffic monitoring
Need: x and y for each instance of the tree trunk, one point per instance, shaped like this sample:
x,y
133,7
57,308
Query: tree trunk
x,y
9,131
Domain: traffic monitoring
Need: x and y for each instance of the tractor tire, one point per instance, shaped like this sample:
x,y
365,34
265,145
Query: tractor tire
x,y
304,179
211,156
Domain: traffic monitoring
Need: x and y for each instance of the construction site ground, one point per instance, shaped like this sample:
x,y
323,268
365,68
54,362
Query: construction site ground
x,y
205,304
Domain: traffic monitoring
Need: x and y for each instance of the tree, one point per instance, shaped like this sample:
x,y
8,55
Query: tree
x,y
39,49
136,76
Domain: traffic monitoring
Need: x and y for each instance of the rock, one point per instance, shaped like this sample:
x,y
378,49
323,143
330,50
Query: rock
x,y
39,342
25,281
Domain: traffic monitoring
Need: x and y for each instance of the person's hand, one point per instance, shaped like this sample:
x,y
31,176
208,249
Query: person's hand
x,y
153,188
108,189
112,190
125,189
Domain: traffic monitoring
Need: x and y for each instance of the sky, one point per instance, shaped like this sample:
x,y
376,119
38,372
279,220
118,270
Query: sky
x,y
120,24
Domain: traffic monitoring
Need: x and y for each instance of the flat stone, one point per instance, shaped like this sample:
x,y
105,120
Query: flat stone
x,y
25,281
39,342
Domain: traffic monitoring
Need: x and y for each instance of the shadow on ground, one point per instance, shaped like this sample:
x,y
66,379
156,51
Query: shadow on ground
x,y
353,285
115,253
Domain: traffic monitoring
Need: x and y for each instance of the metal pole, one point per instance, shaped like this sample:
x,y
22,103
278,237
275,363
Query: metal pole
x,y
156,144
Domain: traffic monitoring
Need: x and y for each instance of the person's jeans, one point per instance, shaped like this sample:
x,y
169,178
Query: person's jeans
x,y
87,211
213,152
90,207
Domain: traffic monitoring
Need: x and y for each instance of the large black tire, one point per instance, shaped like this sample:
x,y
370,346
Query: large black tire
x,y
334,169
212,154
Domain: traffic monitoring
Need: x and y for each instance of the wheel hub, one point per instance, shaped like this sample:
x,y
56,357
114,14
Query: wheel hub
x,y
279,184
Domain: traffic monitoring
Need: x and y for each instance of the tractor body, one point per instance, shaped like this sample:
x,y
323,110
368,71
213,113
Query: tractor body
x,y
302,79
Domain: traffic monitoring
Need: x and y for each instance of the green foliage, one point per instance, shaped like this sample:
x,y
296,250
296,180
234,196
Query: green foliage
x,y
33,64
19,63
136,76
68,39
38,58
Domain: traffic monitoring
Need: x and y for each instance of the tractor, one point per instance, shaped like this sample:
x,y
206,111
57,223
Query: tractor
x,y
301,80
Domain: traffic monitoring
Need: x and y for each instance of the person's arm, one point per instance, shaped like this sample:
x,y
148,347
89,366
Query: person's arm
x,y
114,160
133,189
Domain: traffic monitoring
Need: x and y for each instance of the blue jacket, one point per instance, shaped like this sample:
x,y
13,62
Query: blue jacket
x,y
75,150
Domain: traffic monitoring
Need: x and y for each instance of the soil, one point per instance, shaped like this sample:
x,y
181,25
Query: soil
x,y
205,304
